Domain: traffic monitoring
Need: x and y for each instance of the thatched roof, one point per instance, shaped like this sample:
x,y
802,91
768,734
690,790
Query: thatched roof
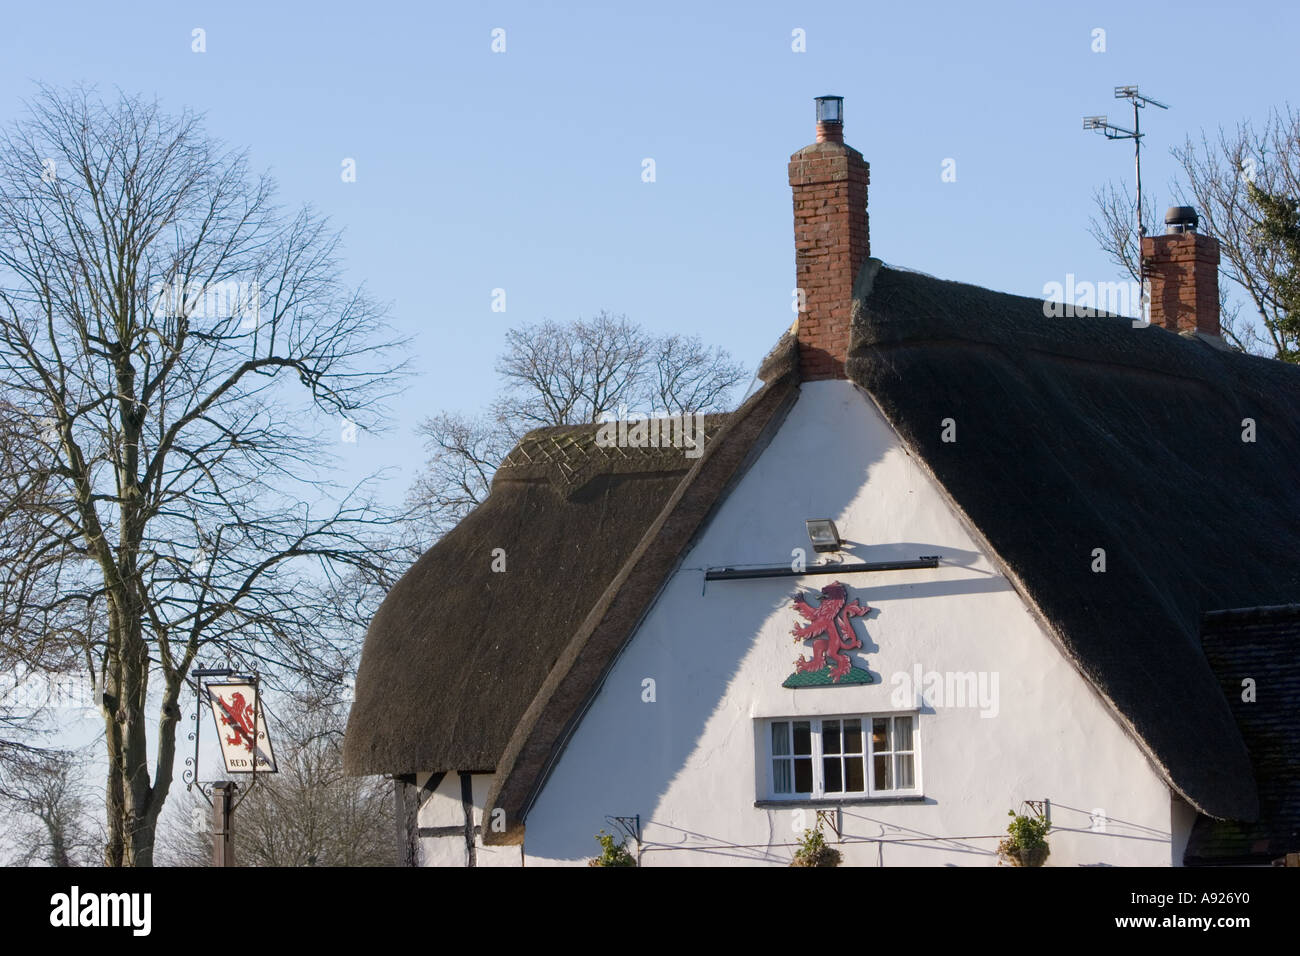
x,y
1083,433
457,652
1261,645
1072,434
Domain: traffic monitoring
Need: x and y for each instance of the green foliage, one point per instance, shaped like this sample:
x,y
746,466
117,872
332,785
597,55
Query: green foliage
x,y
1026,833
1280,227
813,850
612,854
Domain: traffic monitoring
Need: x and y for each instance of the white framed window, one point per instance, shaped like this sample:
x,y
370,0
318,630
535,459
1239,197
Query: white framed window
x,y
861,755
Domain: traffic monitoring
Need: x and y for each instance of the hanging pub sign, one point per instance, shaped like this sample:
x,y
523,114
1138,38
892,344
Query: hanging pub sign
x,y
241,727
830,628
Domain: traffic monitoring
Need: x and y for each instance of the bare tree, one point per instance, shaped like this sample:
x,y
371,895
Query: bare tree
x,y
1221,178
690,377
1114,226
167,337
307,814
568,375
563,374
35,650
50,811
463,456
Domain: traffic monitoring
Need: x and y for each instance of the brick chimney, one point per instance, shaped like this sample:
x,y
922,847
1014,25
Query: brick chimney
x,y
1183,269
829,182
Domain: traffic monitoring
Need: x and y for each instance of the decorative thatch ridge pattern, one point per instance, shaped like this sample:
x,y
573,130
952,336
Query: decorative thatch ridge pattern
x,y
571,455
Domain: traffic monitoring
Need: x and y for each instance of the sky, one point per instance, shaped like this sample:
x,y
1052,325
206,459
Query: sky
x,y
522,170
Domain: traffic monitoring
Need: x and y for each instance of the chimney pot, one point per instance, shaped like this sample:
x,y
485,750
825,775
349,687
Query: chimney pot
x,y
1180,219
830,119
830,109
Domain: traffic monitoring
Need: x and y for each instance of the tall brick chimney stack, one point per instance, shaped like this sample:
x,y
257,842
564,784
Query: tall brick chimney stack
x,y
1183,268
831,240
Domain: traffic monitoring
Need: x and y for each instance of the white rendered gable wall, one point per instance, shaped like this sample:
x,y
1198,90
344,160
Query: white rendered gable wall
x,y
692,763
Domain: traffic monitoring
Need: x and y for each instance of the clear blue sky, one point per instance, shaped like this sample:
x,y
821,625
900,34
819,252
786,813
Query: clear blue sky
x,y
522,170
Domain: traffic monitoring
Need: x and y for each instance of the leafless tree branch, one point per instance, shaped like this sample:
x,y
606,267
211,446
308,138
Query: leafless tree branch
x,y
167,337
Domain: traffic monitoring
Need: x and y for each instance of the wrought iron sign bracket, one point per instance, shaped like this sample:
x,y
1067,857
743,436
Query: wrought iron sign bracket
x,y
631,826
833,819
190,775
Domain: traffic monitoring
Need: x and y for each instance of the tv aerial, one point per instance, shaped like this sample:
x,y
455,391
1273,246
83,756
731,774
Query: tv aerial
x,y
1111,131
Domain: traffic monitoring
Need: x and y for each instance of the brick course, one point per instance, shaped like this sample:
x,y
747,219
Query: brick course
x,y
832,241
1183,269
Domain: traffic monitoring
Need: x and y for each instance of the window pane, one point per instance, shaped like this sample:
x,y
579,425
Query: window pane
x,y
844,753
780,739
905,772
830,736
853,736
802,737
853,775
781,776
831,768
880,734
803,775
902,733
884,780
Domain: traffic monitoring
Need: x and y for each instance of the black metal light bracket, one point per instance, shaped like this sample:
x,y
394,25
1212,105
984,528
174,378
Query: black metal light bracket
x,y
786,571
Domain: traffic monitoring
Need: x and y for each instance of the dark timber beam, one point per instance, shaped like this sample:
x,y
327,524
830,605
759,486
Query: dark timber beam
x,y
430,785
467,803
406,806
453,831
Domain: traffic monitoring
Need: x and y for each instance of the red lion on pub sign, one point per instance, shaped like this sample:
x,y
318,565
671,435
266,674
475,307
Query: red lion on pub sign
x,y
239,716
830,629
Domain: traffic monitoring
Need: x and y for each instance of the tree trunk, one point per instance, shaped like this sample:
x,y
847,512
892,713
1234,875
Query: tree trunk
x,y
140,818
58,844
114,797
133,805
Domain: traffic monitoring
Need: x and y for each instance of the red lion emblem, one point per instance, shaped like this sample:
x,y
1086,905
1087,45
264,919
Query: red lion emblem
x,y
239,716
830,628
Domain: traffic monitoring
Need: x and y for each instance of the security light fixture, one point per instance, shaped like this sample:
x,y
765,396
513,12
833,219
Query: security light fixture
x,y
822,534
830,109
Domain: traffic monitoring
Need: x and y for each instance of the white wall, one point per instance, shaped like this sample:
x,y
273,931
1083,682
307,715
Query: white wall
x,y
687,762
444,808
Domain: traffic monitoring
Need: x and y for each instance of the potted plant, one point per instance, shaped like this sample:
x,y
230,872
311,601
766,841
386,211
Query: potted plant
x,y
612,854
813,850
1026,843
